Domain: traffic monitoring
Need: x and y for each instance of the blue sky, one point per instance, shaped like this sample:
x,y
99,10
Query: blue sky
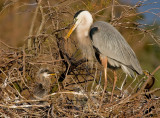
x,y
148,17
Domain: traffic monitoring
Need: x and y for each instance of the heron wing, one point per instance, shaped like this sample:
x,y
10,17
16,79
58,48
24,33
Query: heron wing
x,y
109,42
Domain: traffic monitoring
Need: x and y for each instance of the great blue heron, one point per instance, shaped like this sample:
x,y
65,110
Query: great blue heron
x,y
150,83
102,40
43,83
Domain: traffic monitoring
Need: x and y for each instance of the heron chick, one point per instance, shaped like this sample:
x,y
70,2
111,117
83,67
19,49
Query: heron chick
x,y
103,41
43,83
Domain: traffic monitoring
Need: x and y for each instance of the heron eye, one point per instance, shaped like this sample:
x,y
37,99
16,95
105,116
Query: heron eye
x,y
75,19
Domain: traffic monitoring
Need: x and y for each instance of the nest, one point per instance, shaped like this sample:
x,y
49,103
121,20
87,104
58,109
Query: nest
x,y
75,90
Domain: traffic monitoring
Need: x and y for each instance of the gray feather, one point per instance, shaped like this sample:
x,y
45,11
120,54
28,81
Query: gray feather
x,y
109,42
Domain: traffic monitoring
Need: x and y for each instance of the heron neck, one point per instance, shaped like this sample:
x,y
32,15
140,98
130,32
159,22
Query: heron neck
x,y
84,27
82,32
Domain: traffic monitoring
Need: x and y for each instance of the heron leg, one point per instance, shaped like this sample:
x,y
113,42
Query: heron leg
x,y
104,63
105,84
114,84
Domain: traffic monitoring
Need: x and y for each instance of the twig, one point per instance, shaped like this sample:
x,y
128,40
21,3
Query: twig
x,y
21,106
8,45
112,18
32,25
24,64
153,91
70,92
42,22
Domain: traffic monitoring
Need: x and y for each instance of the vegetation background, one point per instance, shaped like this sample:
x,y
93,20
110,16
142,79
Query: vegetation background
x,y
31,38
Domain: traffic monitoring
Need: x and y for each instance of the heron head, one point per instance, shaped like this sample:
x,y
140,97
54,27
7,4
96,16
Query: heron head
x,y
81,17
45,73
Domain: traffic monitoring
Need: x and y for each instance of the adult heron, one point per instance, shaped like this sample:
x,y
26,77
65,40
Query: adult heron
x,y
102,40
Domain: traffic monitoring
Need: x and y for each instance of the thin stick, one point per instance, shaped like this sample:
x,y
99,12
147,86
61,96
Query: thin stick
x,y
7,45
24,64
112,10
42,22
32,25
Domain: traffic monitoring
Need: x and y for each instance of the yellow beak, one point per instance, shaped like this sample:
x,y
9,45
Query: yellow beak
x,y
146,73
53,74
70,32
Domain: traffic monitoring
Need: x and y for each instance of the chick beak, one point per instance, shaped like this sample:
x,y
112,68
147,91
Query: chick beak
x,y
52,74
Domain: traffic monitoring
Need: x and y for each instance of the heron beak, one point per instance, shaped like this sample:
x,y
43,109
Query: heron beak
x,y
146,73
70,31
52,74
